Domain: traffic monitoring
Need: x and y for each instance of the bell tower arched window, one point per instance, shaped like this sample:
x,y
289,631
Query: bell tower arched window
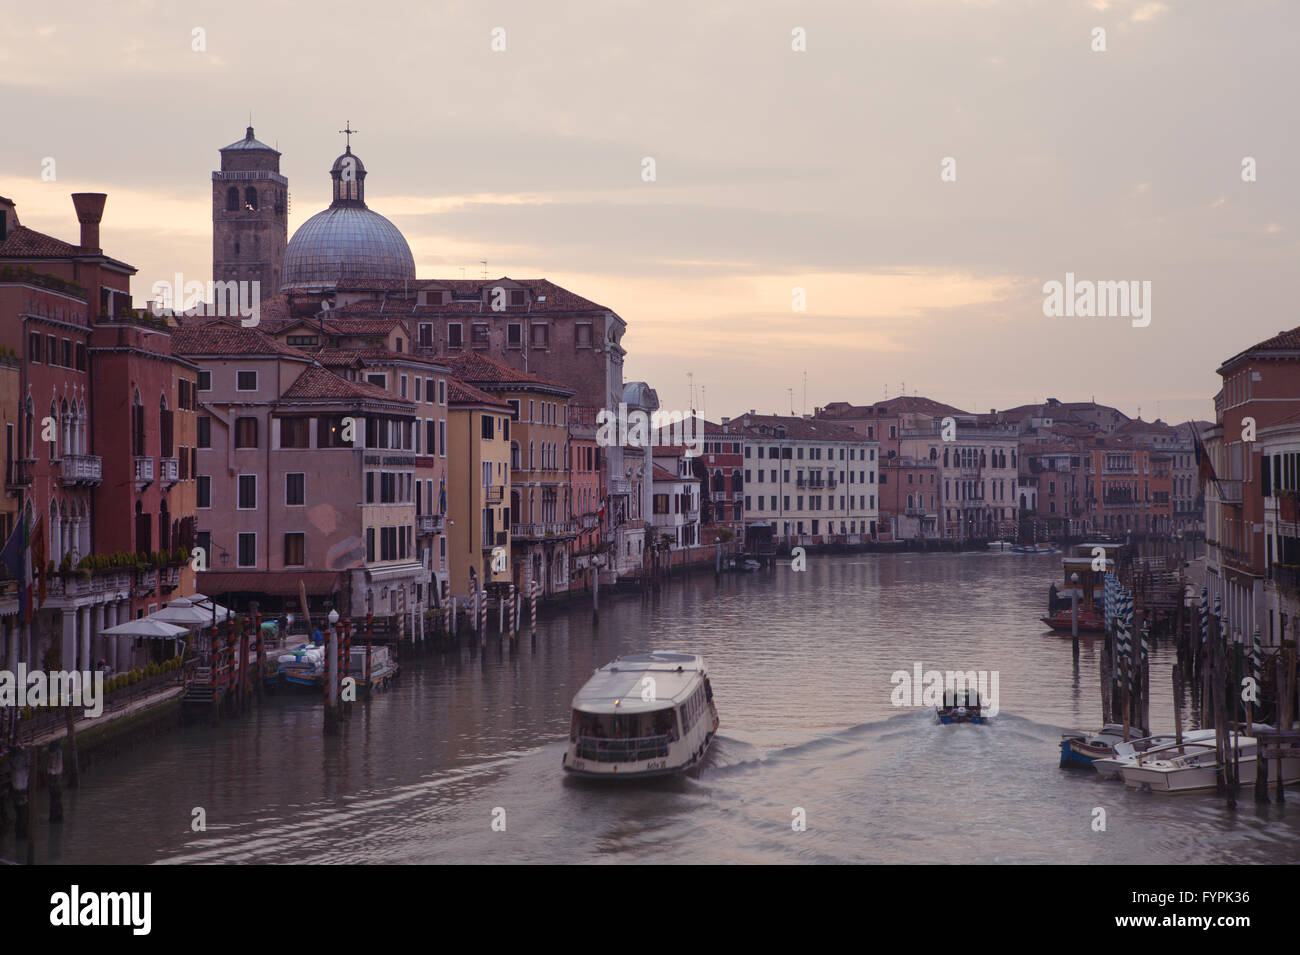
x,y
232,199
250,199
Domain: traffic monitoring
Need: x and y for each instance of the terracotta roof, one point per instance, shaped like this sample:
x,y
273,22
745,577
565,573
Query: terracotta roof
x,y
663,474
319,383
23,242
221,339
463,393
481,369
348,357
557,298
890,406
800,429
1282,341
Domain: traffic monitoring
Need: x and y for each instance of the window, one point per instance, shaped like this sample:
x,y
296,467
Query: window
x,y
205,381
453,335
480,332
488,429
295,433
247,550
51,349
540,336
298,341
378,380
294,546
295,489
247,492
370,545
34,346
514,335
205,431
442,437
245,433
431,436
81,358
203,492
582,335
425,338
67,354
442,391
246,381
401,386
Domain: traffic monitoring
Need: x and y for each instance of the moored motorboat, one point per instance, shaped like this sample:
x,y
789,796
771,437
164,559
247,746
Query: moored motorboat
x,y
1126,753
1089,621
1081,749
960,707
1195,767
303,667
642,715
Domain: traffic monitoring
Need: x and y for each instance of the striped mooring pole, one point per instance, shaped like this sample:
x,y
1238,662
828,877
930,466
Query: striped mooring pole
x,y
534,591
511,603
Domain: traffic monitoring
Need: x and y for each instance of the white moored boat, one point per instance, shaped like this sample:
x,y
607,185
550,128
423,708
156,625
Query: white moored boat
x,y
646,714
1126,754
1194,767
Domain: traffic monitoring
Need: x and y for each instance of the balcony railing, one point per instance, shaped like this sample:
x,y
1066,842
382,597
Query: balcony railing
x,y
1229,491
18,474
495,539
494,494
81,469
169,470
428,524
546,529
143,472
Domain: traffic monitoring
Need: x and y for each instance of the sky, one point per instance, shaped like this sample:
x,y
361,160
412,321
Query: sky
x,y
823,169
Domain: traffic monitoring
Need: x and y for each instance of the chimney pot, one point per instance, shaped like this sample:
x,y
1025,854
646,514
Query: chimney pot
x,y
90,209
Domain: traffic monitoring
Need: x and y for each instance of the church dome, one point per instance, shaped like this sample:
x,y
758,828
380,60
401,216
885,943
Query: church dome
x,y
348,241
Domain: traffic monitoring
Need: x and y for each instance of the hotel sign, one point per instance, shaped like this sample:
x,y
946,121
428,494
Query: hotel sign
x,y
391,460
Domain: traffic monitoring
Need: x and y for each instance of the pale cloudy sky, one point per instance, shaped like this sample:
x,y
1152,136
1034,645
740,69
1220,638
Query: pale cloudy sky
x,y
775,169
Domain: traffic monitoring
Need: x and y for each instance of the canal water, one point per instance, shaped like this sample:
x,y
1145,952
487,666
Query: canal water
x,y
801,665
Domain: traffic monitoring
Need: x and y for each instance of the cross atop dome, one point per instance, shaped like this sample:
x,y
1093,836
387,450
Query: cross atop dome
x,y
347,130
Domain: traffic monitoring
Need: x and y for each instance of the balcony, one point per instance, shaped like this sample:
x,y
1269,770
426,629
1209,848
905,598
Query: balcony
x,y
87,469
18,474
169,470
590,520
143,472
494,494
1229,491
428,524
493,539
544,530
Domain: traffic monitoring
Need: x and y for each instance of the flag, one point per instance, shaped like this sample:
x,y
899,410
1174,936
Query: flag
x,y
442,495
37,538
601,513
1204,467
16,558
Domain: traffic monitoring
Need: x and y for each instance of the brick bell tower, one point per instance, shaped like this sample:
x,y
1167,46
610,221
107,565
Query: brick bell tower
x,y
250,215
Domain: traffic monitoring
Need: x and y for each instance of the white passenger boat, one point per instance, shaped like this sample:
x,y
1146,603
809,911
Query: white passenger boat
x,y
1194,767
1125,754
645,714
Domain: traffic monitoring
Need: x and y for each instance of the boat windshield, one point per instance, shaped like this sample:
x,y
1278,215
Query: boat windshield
x,y
623,737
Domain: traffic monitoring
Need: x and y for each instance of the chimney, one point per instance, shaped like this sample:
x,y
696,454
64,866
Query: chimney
x,y
8,217
90,209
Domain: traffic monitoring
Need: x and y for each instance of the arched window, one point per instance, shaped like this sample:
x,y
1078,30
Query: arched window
x,y
719,482
945,457
54,416
737,483
232,199
514,456
250,199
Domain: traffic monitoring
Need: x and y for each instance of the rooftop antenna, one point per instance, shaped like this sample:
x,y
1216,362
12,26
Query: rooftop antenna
x,y
803,408
483,262
704,402
690,384
790,392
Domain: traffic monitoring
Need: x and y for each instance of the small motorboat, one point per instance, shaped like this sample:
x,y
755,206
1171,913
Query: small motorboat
x,y
960,707
1081,749
1125,754
303,667
1032,549
999,545
1195,767
1089,621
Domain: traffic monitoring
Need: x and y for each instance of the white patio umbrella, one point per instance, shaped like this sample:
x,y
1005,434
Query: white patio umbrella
x,y
145,627
184,612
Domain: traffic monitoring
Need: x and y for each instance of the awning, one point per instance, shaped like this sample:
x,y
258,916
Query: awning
x,y
400,570
145,627
278,583
184,612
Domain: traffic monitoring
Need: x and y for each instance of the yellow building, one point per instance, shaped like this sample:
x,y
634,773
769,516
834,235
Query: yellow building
x,y
478,487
